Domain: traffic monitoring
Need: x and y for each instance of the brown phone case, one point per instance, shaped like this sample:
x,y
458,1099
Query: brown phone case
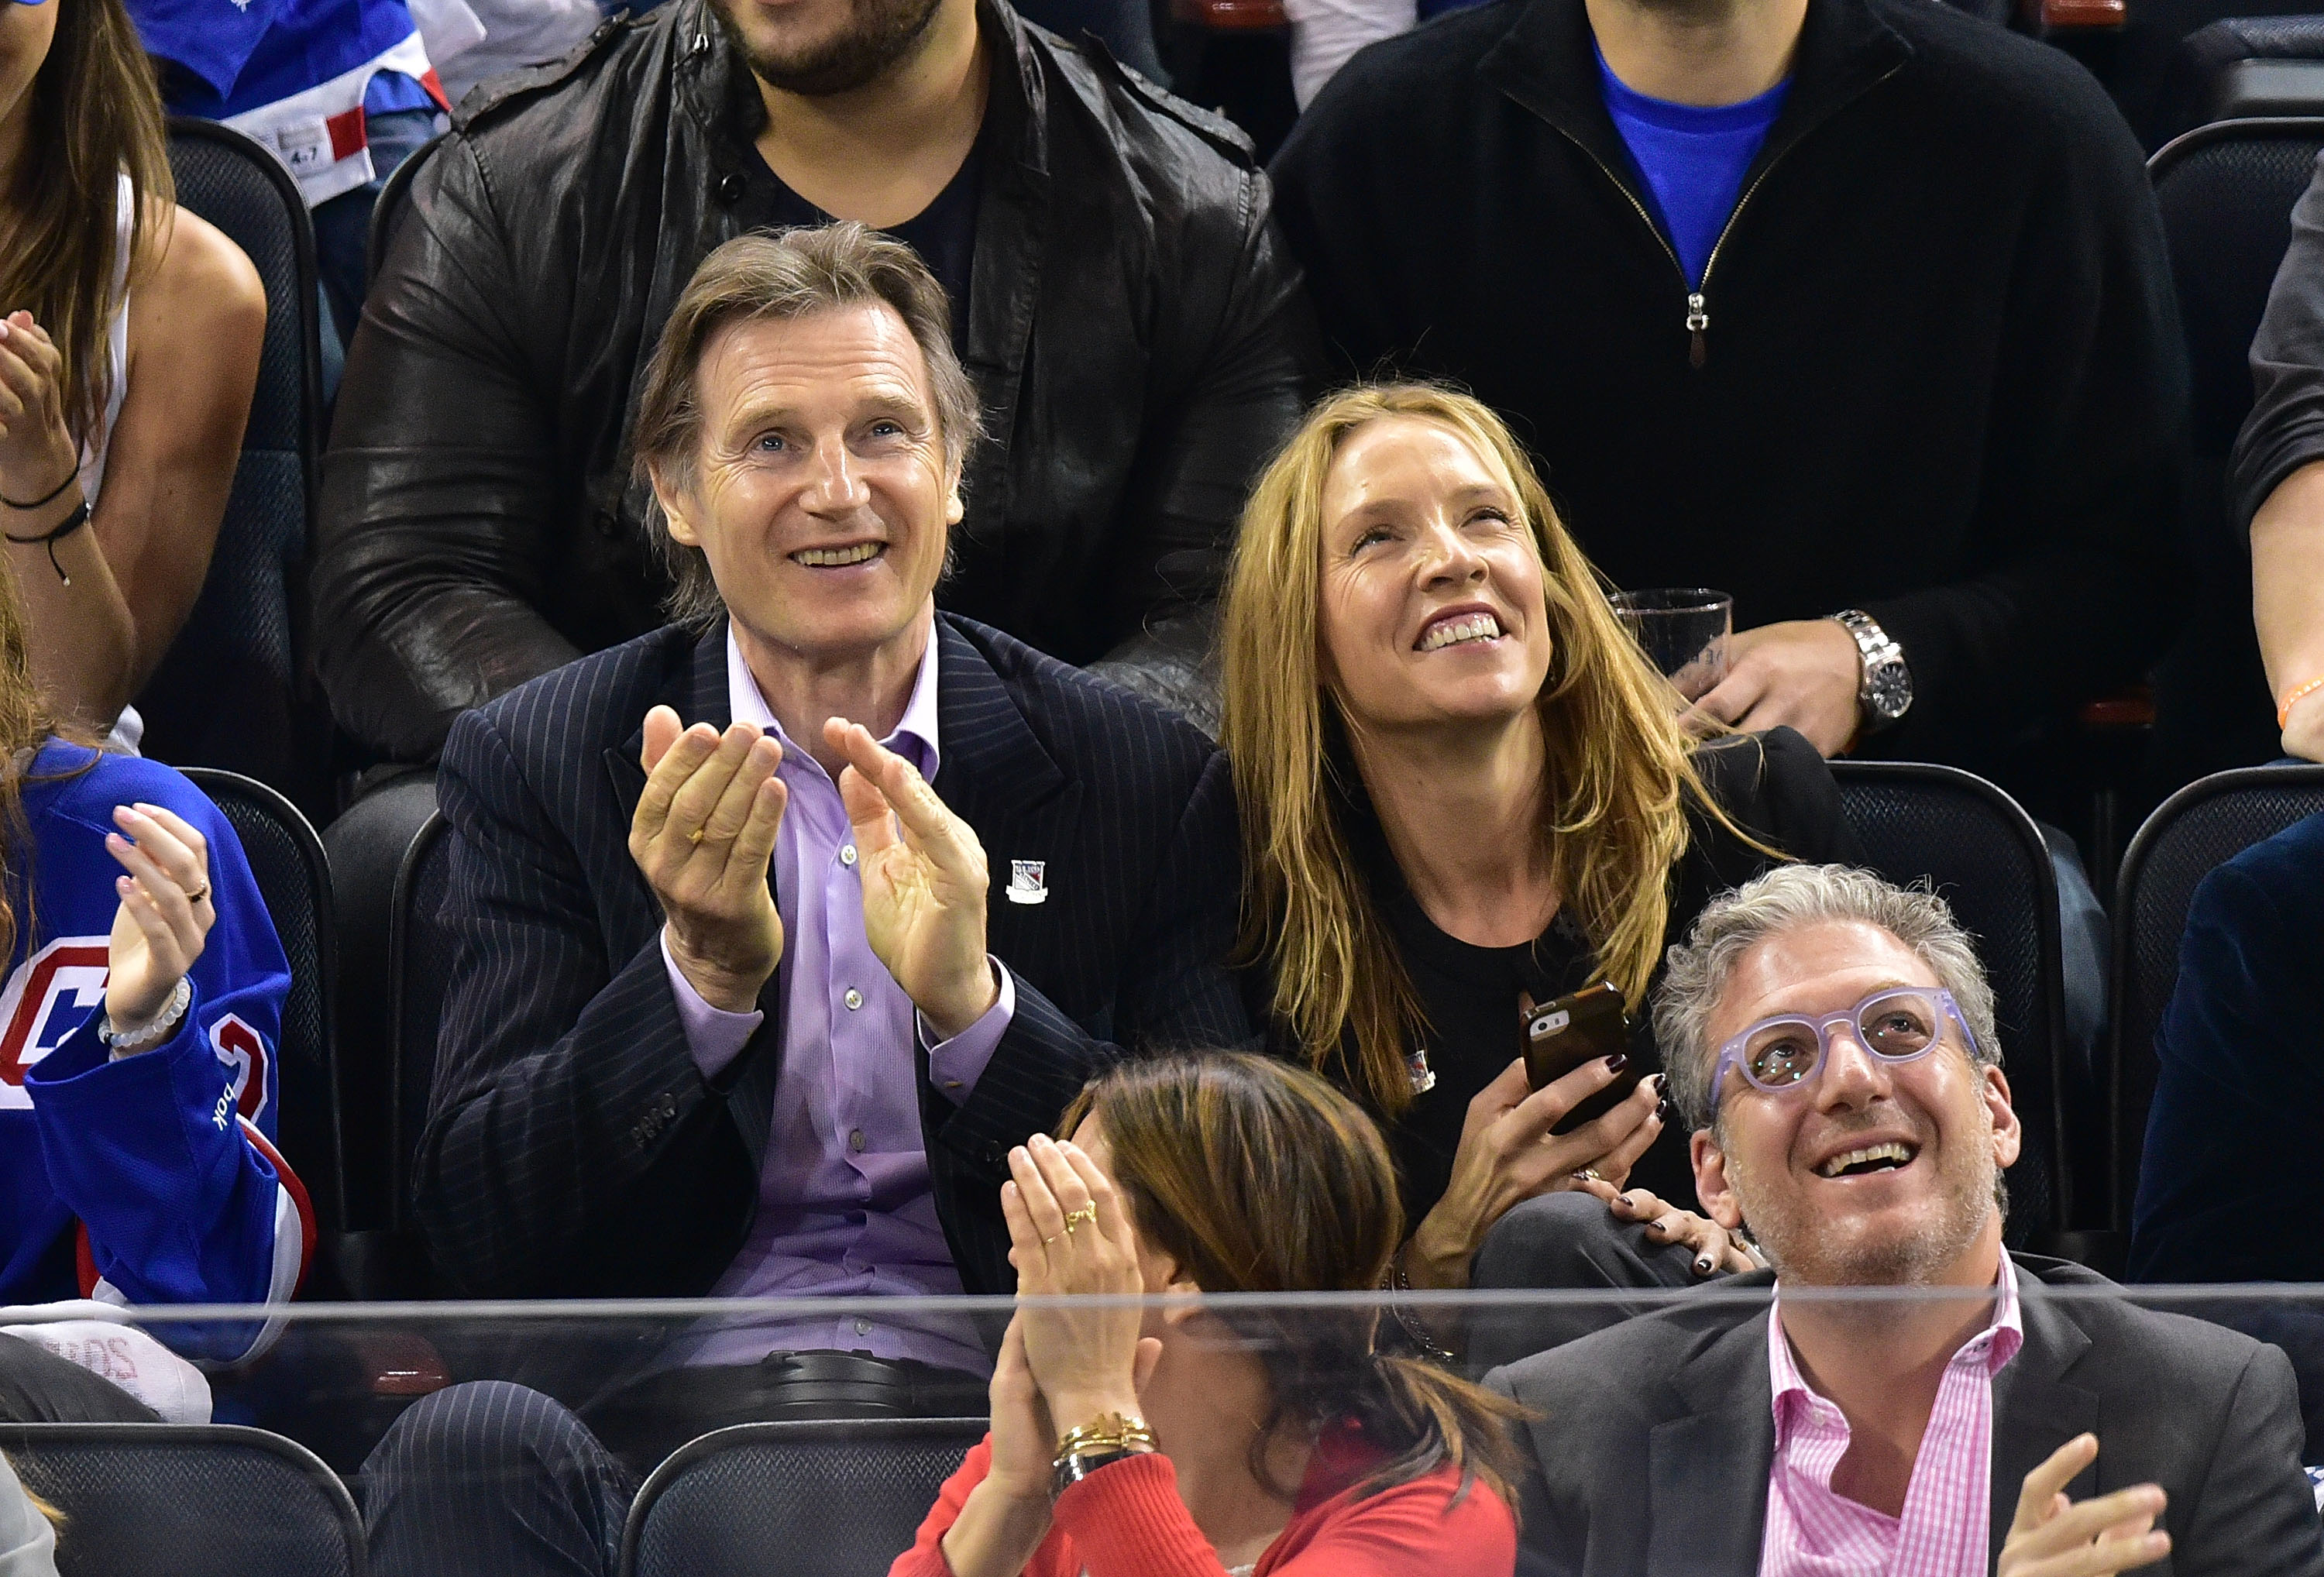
x,y
1561,1036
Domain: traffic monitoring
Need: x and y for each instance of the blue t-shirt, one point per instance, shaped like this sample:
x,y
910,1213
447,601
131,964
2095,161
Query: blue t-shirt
x,y
1694,158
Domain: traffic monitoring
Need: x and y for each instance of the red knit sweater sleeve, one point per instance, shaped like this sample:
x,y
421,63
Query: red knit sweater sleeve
x,y
1126,1520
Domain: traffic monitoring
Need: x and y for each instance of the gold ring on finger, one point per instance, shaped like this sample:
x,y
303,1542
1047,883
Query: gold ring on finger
x,y
199,894
1074,1218
1052,1238
694,837
1590,1175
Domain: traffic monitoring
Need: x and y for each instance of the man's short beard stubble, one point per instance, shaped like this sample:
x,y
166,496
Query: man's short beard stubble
x,y
878,34
1802,1252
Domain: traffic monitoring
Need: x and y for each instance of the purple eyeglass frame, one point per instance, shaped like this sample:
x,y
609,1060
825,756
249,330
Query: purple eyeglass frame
x,y
1730,1056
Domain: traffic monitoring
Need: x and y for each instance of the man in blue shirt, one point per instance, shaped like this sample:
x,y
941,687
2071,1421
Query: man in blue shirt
x,y
1855,309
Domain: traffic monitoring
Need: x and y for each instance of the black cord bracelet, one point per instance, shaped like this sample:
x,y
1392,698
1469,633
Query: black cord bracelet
x,y
54,493
48,539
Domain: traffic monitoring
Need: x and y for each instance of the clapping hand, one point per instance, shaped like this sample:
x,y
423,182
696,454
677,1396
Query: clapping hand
x,y
1070,1236
165,912
702,835
2056,1538
925,882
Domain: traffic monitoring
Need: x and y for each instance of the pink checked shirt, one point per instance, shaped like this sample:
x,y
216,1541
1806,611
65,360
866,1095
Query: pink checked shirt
x,y
1946,1526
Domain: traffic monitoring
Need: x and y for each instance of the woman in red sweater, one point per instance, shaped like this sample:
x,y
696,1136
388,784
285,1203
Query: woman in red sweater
x,y
1176,1440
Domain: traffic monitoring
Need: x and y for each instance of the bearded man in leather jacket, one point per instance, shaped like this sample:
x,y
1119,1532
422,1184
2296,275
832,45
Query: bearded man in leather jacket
x,y
1135,329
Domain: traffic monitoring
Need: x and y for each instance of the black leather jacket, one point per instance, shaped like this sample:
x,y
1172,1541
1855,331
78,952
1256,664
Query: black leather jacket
x,y
1133,324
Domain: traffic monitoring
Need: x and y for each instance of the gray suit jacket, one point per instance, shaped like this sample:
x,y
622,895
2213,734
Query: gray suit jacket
x,y
1655,1438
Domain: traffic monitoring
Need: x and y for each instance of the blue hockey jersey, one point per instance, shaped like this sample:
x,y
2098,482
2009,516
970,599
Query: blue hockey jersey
x,y
153,1179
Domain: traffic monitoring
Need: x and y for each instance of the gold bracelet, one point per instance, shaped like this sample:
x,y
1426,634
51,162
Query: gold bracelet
x,y
1106,1432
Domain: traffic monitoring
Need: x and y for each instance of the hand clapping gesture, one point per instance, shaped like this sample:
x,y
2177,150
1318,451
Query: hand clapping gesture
x,y
165,915
702,835
925,882
2056,1538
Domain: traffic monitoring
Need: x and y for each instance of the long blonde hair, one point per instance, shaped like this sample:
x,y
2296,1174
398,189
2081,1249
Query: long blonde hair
x,y
1620,769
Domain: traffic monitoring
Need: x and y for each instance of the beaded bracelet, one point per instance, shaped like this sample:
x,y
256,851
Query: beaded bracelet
x,y
2293,696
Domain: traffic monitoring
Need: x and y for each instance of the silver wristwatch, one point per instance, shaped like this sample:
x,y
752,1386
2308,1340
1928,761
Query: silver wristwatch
x,y
1885,693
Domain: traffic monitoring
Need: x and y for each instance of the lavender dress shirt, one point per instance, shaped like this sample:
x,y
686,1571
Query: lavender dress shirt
x,y
845,1205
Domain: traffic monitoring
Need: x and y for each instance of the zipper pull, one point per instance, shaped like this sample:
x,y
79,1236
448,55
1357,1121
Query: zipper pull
x,y
1697,320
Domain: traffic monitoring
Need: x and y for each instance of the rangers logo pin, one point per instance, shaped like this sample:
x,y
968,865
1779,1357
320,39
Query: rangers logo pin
x,y
1029,882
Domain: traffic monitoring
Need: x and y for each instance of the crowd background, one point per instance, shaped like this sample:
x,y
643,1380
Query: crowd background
x,y
2070,556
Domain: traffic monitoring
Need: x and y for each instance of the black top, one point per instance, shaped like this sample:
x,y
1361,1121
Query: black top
x,y
1942,379
1775,785
944,233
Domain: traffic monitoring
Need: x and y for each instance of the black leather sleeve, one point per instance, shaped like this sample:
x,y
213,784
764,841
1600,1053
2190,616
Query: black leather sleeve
x,y
572,1148
1250,352
441,479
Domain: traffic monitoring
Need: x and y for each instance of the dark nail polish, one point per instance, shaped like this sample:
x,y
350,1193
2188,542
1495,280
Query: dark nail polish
x,y
1702,1265
1665,1109
1618,1062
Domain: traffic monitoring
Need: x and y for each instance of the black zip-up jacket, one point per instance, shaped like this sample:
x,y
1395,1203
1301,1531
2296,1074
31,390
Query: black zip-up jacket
x,y
1934,371
1134,325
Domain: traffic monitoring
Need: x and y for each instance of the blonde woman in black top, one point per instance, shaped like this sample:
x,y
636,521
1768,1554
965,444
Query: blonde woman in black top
x,y
1461,783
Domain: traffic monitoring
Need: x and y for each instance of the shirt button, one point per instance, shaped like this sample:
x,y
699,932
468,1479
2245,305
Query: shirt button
x,y
847,853
854,998
855,1141
730,190
863,1327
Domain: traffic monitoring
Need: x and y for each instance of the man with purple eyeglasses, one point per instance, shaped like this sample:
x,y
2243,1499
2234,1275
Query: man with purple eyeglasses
x,y
1829,1038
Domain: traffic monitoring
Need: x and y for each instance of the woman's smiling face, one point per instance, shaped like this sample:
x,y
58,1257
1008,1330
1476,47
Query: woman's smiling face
x,y
1431,607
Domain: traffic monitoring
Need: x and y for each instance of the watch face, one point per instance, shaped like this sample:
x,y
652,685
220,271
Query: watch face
x,y
1890,689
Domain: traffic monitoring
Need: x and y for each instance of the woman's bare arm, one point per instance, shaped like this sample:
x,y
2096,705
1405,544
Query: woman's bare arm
x,y
197,319
2287,549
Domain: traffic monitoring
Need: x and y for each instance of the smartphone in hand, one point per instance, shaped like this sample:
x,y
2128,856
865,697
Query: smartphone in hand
x,y
1559,1036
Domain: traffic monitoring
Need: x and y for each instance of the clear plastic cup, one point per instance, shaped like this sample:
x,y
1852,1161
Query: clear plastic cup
x,y
1683,631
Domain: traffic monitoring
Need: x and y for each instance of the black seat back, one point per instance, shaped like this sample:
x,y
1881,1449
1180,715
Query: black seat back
x,y
286,858
2243,67
232,691
2225,193
1980,852
420,952
2200,828
189,1499
841,1499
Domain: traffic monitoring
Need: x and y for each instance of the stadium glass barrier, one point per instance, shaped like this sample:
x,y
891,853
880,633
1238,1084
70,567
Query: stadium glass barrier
x,y
422,1418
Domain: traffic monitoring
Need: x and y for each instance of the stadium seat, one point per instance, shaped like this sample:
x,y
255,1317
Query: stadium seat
x,y
841,1499
2244,68
367,846
2226,192
233,690
1981,851
2201,827
187,1500
293,876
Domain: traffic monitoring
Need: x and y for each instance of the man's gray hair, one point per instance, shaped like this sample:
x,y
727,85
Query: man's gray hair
x,y
1786,899
776,276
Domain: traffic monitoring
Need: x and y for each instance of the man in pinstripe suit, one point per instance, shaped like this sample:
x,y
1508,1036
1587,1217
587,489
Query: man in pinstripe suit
x,y
737,1009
